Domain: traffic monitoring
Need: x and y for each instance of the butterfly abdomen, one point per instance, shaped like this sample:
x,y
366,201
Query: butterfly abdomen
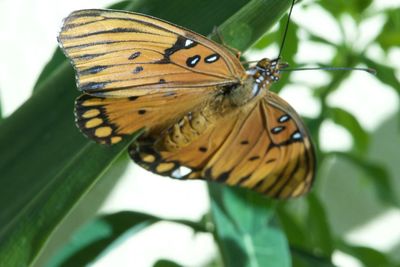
x,y
185,131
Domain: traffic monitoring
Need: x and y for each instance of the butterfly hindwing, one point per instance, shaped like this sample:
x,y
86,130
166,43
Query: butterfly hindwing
x,y
108,120
117,53
263,147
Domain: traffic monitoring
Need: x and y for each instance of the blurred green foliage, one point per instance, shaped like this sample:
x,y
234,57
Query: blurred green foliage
x,y
352,187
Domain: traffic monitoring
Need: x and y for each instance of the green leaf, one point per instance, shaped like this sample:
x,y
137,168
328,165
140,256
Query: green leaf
x,y
166,263
368,256
349,122
99,236
320,236
355,7
302,258
250,23
390,36
244,229
298,217
1,112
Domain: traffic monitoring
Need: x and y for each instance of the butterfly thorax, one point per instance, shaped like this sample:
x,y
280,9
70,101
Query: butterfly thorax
x,y
257,82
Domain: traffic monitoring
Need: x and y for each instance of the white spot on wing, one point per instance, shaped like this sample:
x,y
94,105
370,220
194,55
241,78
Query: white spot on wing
x,y
185,170
296,136
180,172
188,42
211,59
194,61
283,118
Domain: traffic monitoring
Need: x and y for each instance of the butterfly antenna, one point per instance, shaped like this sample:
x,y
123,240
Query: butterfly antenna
x,y
369,70
286,29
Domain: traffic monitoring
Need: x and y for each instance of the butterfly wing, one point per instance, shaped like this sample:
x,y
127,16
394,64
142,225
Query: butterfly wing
x,y
263,147
122,54
108,120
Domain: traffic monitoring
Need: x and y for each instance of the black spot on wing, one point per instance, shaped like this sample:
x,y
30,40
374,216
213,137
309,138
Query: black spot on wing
x,y
254,158
141,111
181,43
134,55
270,161
192,61
202,149
88,56
92,70
223,177
133,98
93,86
137,69
244,142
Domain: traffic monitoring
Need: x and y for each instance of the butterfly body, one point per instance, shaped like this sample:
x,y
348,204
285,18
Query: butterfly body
x,y
204,115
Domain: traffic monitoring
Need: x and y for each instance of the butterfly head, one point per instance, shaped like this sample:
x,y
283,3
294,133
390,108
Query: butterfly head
x,y
269,69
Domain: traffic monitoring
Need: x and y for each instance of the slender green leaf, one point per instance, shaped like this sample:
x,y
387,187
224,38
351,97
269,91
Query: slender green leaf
x,y
298,217
317,220
368,256
166,263
302,258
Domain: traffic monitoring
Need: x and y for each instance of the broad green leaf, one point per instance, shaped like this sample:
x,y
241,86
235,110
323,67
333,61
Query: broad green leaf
x,y
99,236
349,122
245,229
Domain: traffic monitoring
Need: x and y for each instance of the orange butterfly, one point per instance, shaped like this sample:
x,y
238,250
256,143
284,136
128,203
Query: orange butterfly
x,y
204,115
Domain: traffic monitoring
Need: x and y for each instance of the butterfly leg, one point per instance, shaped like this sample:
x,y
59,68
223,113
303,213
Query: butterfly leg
x,y
218,33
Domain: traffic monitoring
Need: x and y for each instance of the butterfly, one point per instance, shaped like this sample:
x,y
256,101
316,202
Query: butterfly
x,y
204,115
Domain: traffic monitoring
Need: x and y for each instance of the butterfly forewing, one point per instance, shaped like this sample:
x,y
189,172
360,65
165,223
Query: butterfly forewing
x,y
118,53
